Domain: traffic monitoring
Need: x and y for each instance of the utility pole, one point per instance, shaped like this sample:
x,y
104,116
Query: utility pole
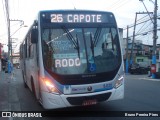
x,y
10,40
8,26
154,40
127,50
135,23
131,56
11,51
9,44
153,67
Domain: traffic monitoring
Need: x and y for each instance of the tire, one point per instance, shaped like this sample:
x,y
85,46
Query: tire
x,y
131,72
24,83
33,87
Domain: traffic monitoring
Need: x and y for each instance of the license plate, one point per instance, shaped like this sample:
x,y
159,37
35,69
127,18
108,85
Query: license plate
x,y
89,102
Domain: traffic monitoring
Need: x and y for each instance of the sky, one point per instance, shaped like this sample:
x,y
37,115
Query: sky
x,y
124,11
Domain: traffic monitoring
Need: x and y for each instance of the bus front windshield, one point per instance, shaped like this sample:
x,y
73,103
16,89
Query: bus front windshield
x,y
69,51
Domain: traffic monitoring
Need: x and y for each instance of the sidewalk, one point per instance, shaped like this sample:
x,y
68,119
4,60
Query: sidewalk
x,y
9,100
4,91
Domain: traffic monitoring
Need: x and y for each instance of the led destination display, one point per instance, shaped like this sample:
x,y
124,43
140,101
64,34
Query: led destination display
x,y
79,17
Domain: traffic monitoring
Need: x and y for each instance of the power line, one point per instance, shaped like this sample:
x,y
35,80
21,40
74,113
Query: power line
x,y
118,4
115,3
124,2
149,25
131,25
140,20
147,11
142,27
144,32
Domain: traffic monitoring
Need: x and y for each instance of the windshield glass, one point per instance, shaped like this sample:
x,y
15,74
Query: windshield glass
x,y
80,50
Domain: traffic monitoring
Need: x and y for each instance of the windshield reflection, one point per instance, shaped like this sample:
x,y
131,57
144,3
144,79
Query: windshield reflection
x,y
80,50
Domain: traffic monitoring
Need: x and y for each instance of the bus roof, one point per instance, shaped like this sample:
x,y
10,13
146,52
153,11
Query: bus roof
x,y
71,10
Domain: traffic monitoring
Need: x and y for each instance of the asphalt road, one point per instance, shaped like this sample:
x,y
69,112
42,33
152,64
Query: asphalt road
x,y
141,94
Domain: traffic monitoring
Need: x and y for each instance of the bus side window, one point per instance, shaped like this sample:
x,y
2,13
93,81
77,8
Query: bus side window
x,y
21,51
25,47
31,51
28,46
34,35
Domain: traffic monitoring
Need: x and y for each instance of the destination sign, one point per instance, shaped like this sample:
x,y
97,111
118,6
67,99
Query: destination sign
x,y
78,18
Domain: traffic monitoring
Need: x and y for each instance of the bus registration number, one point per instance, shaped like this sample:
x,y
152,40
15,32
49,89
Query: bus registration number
x,y
89,102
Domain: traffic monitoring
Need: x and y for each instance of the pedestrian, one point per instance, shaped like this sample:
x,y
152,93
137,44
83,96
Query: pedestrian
x,y
3,61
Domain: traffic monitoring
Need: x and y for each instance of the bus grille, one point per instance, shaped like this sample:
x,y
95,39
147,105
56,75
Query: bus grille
x,y
79,100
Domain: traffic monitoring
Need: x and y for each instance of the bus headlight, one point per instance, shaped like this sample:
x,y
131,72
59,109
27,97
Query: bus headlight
x,y
119,82
50,86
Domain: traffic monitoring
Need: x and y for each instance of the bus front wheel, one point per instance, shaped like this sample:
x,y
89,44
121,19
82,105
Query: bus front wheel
x,y
33,87
25,85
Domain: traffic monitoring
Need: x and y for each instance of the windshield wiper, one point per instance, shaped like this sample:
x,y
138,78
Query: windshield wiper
x,y
92,45
94,40
96,36
72,40
112,39
78,46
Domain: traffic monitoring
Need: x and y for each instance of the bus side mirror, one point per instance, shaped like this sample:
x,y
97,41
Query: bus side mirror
x,y
34,36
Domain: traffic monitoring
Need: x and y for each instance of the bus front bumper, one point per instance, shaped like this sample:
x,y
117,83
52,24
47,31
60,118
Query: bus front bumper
x,y
53,101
